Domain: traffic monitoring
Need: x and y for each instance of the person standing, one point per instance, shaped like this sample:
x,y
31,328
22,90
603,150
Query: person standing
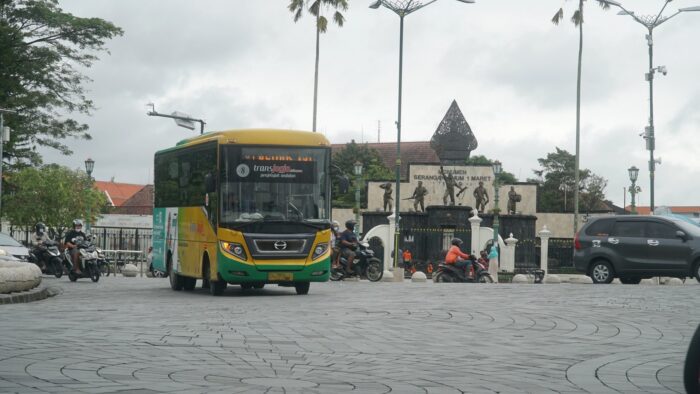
x,y
388,199
407,257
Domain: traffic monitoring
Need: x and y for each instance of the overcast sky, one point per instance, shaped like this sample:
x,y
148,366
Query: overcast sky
x,y
245,63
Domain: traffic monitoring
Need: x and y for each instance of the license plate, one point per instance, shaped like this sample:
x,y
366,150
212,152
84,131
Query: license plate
x,y
280,276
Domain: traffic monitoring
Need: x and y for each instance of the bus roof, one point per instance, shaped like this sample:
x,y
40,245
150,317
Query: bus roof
x,y
260,137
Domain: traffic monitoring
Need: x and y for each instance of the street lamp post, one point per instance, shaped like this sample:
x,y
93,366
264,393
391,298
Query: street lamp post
x,y
402,8
89,166
496,171
633,189
650,22
358,181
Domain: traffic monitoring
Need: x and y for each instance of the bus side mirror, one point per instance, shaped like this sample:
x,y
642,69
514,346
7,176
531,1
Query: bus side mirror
x,y
209,183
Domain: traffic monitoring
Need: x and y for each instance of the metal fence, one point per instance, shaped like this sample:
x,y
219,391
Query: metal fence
x,y
109,238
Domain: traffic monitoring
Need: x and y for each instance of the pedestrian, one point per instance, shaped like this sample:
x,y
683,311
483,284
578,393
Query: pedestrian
x,y
407,257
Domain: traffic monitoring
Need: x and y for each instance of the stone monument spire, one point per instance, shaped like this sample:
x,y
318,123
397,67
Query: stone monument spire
x,y
453,140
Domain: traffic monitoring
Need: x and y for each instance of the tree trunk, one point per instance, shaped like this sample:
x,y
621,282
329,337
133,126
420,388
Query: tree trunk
x,y
578,117
318,36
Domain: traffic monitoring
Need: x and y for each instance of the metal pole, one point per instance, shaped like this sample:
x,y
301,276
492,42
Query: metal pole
x,y
357,203
495,213
318,34
651,139
633,192
397,200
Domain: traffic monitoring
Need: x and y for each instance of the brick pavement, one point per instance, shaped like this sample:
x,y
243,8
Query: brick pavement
x,y
138,336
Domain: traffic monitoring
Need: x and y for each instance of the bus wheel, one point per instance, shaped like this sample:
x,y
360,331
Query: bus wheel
x,y
188,283
175,279
302,287
216,288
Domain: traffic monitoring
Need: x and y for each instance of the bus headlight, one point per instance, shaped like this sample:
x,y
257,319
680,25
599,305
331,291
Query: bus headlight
x,y
234,249
319,250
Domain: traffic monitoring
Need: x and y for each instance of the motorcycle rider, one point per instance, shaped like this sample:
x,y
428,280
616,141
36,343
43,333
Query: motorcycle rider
x,y
77,231
40,235
335,237
348,243
456,257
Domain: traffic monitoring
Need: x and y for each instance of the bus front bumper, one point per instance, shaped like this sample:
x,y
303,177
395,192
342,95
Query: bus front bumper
x,y
235,272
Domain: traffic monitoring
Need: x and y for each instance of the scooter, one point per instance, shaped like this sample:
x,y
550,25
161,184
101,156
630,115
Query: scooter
x,y
448,273
47,256
87,257
365,265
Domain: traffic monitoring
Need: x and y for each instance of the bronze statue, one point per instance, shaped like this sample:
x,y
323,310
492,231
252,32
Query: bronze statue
x,y
387,195
419,196
449,187
513,198
482,197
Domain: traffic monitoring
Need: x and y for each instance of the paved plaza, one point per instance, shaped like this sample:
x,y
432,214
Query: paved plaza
x,y
138,336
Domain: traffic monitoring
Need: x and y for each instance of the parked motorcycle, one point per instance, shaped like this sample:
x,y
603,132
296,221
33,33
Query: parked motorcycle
x,y
47,256
448,273
88,259
365,265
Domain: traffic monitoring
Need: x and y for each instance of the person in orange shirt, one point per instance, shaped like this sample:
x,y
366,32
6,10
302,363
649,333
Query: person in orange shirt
x,y
407,257
456,257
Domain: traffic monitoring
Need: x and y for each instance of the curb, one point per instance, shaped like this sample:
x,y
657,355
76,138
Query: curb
x,y
36,294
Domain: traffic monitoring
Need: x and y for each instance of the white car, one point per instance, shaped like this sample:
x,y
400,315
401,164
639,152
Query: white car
x,y
13,248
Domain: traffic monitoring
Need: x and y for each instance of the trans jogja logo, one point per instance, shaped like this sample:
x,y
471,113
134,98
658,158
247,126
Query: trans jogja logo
x,y
242,170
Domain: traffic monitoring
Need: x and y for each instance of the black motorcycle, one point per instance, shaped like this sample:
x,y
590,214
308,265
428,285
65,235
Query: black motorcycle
x,y
365,265
47,256
88,259
448,273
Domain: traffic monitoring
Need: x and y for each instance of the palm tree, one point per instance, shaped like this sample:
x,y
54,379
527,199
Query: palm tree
x,y
577,20
315,8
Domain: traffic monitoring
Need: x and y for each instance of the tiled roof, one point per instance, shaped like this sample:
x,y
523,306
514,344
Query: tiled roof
x,y
140,203
411,152
118,193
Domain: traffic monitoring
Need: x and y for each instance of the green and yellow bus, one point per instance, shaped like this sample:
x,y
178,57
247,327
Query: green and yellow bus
x,y
245,207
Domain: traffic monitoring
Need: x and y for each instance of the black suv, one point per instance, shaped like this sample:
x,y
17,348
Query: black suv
x,y
634,247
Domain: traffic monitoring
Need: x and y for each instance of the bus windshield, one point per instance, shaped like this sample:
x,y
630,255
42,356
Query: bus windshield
x,y
273,184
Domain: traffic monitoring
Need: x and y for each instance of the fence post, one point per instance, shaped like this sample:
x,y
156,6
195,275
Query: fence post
x,y
475,222
509,255
544,248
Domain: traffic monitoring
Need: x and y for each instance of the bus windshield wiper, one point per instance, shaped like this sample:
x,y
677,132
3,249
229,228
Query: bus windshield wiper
x,y
297,211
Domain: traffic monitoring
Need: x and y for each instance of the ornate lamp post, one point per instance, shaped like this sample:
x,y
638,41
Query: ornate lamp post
x,y
358,185
401,8
634,189
496,171
89,166
650,22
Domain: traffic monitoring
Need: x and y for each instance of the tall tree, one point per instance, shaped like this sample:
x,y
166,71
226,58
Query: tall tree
x,y
577,20
343,162
41,51
53,195
316,8
556,178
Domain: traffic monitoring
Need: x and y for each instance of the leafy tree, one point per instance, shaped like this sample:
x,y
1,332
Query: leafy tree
x,y
41,48
53,195
504,178
556,180
315,8
343,162
577,20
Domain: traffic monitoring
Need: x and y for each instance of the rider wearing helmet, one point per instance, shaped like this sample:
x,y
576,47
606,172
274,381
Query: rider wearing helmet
x,y
39,233
348,243
77,231
456,257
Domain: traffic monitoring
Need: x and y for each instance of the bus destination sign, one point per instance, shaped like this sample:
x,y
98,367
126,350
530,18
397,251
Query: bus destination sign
x,y
283,171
